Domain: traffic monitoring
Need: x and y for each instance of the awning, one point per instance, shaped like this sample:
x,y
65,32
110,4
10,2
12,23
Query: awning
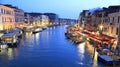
x,y
1,34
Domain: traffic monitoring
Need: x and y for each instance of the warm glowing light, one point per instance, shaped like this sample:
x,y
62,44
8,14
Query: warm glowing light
x,y
37,36
97,33
93,32
101,27
10,53
81,48
88,39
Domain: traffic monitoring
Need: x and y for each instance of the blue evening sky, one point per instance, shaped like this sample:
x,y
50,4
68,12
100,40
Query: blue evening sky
x,y
64,8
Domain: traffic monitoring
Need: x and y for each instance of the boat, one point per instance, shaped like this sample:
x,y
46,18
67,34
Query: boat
x,y
27,28
36,30
45,27
78,41
106,59
3,45
18,32
10,38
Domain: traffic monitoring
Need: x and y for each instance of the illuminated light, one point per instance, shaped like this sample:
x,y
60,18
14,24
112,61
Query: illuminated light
x,y
115,42
81,48
95,59
80,63
88,39
101,27
10,53
37,36
93,32
97,33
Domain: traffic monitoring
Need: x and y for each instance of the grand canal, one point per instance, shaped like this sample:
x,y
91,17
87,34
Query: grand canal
x,y
49,48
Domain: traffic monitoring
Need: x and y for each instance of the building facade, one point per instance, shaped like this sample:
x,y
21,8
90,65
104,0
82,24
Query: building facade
x,y
82,20
19,18
53,18
36,19
44,20
7,19
113,24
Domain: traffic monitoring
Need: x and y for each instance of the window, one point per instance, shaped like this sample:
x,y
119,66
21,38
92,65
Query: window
x,y
113,20
118,19
2,19
1,10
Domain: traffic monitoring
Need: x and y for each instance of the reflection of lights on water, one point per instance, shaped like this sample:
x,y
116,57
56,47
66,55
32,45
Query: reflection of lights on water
x,y
3,51
90,48
10,53
29,37
80,63
37,35
28,34
54,27
81,48
95,59
50,28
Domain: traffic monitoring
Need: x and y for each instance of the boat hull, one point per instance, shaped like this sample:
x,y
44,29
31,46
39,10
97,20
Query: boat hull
x,y
107,59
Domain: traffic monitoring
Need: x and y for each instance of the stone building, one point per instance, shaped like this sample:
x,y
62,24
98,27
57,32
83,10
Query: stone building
x,y
7,18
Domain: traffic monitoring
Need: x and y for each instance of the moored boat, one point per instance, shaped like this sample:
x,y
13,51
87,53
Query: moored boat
x,y
36,30
106,59
10,38
45,27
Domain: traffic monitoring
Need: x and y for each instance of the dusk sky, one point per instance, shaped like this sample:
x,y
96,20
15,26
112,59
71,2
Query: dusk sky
x,y
64,8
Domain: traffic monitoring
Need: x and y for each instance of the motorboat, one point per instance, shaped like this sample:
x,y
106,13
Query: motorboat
x,y
45,27
36,30
107,59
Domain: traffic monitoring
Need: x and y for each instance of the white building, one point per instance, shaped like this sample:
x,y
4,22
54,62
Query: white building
x,y
7,19
44,20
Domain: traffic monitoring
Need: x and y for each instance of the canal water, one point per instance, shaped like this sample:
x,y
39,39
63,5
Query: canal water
x,y
49,48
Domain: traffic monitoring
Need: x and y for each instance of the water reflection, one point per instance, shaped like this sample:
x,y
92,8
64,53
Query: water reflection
x,y
3,51
81,48
90,49
48,48
28,39
10,53
37,36
28,34
95,59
